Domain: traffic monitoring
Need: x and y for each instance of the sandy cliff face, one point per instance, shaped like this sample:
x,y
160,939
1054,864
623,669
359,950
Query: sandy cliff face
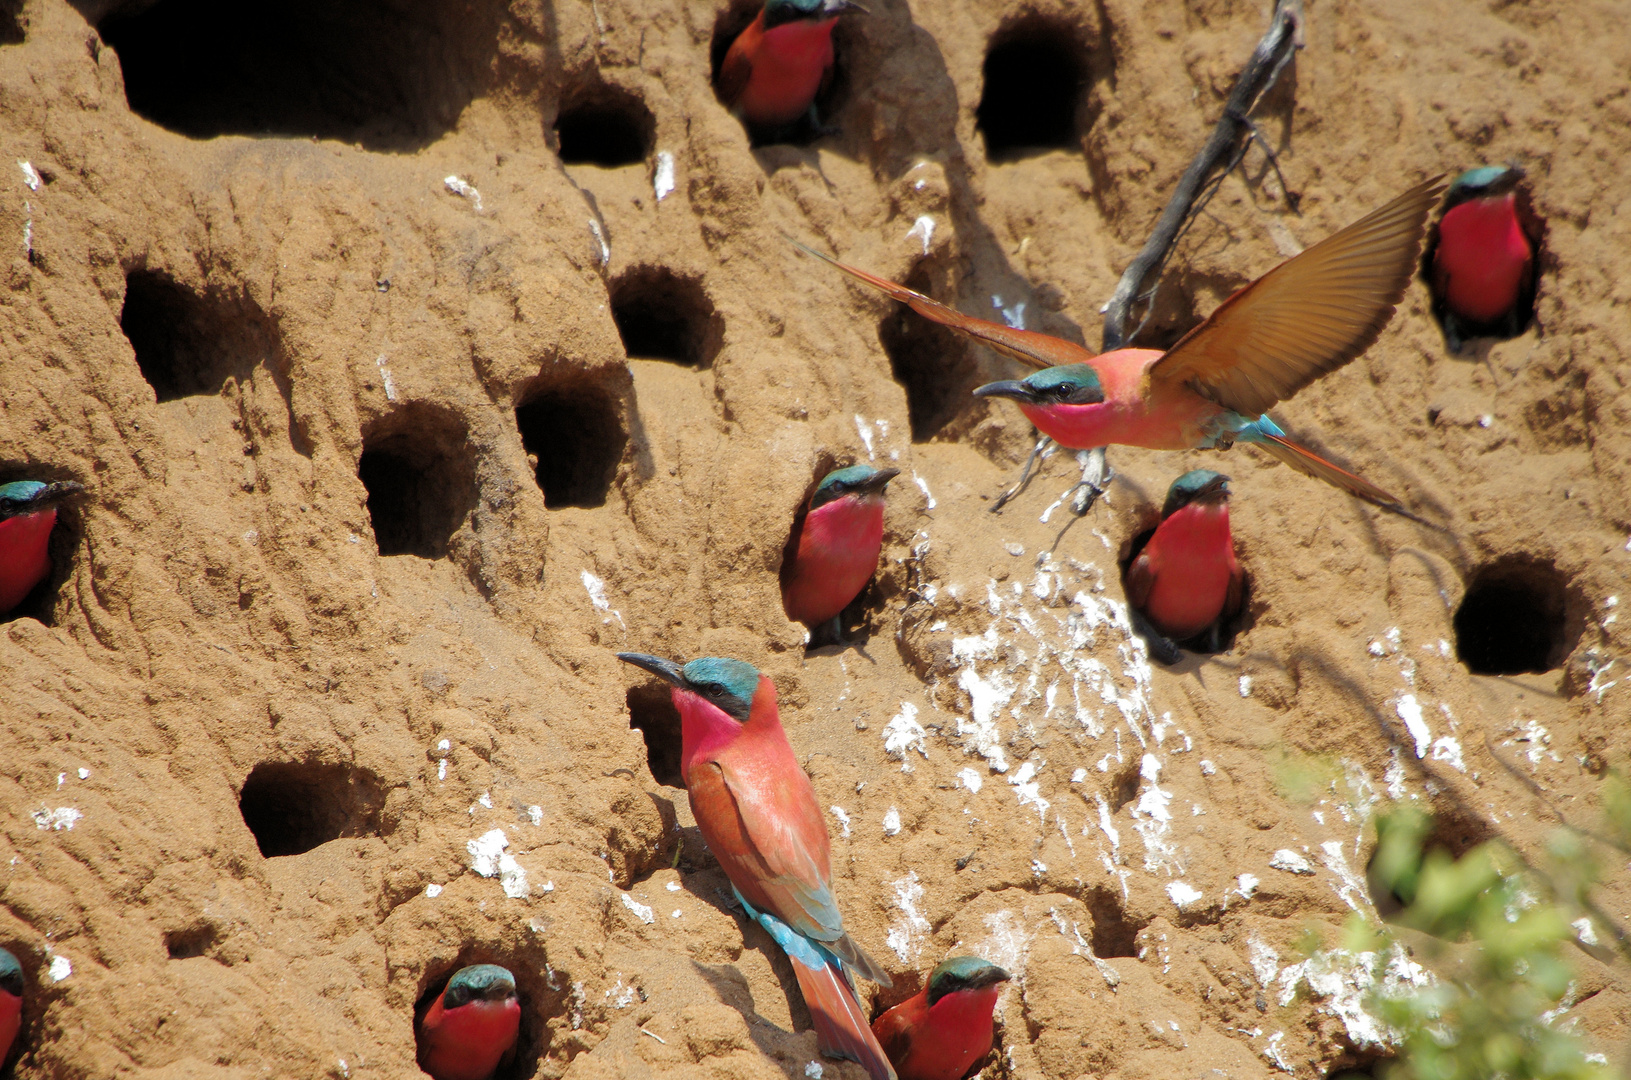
x,y
260,278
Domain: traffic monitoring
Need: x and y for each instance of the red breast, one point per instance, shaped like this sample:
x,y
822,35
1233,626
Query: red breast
x,y
1192,556
1481,257
467,1043
24,555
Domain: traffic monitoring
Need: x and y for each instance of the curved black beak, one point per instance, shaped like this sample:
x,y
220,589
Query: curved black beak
x,y
1216,488
878,479
667,670
839,7
45,498
1008,388
988,976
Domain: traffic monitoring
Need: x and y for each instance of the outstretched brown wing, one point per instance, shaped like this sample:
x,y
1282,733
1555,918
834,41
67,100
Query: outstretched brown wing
x,y
1306,317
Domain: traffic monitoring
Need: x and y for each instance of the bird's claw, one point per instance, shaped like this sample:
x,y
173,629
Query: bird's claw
x,y
1096,477
1040,450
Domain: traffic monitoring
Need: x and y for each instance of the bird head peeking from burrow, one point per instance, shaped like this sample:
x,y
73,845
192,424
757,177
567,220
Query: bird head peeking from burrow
x,y
781,12
727,685
1196,486
1067,384
858,480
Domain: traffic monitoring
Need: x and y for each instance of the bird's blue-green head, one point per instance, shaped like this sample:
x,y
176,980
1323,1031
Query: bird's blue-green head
x,y
1067,384
1199,485
727,684
1483,183
479,982
778,12
32,496
963,973
11,974
855,480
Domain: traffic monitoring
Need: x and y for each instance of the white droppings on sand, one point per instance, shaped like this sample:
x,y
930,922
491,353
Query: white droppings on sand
x,y
1152,820
1027,790
923,486
641,911
1183,894
1264,960
1409,710
1352,888
464,189
843,819
60,968
1291,862
813,1070
386,381
906,934
904,734
1447,749
31,179
600,239
433,890
1007,943
970,779
1245,686
891,822
1340,982
489,859
662,178
63,817
923,230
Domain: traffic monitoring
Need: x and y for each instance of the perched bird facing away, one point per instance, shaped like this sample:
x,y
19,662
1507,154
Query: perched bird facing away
x,y
1305,318
758,813
1186,581
11,1002
1480,257
28,512
942,1032
777,67
838,546
470,1030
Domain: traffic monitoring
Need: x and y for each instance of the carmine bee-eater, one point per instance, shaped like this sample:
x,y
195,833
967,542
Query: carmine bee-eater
x,y
777,67
757,810
838,546
942,1032
1186,581
28,512
11,1002
470,1029
1480,257
1305,318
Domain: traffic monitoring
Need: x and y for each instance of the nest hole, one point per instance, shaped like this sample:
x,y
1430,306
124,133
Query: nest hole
x,y
661,315
1455,830
292,806
191,941
40,604
576,435
1512,619
1201,643
13,23
540,999
420,474
653,715
934,365
188,343
1114,934
607,126
1035,77
387,76
728,26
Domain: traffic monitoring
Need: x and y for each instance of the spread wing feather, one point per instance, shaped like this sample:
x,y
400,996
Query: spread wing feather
x,y
1308,316
1027,346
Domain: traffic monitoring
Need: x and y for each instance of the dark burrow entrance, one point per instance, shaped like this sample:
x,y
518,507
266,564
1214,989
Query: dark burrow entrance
x,y
663,316
293,806
1035,78
420,474
575,432
1512,619
653,715
605,126
187,343
935,366
389,76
